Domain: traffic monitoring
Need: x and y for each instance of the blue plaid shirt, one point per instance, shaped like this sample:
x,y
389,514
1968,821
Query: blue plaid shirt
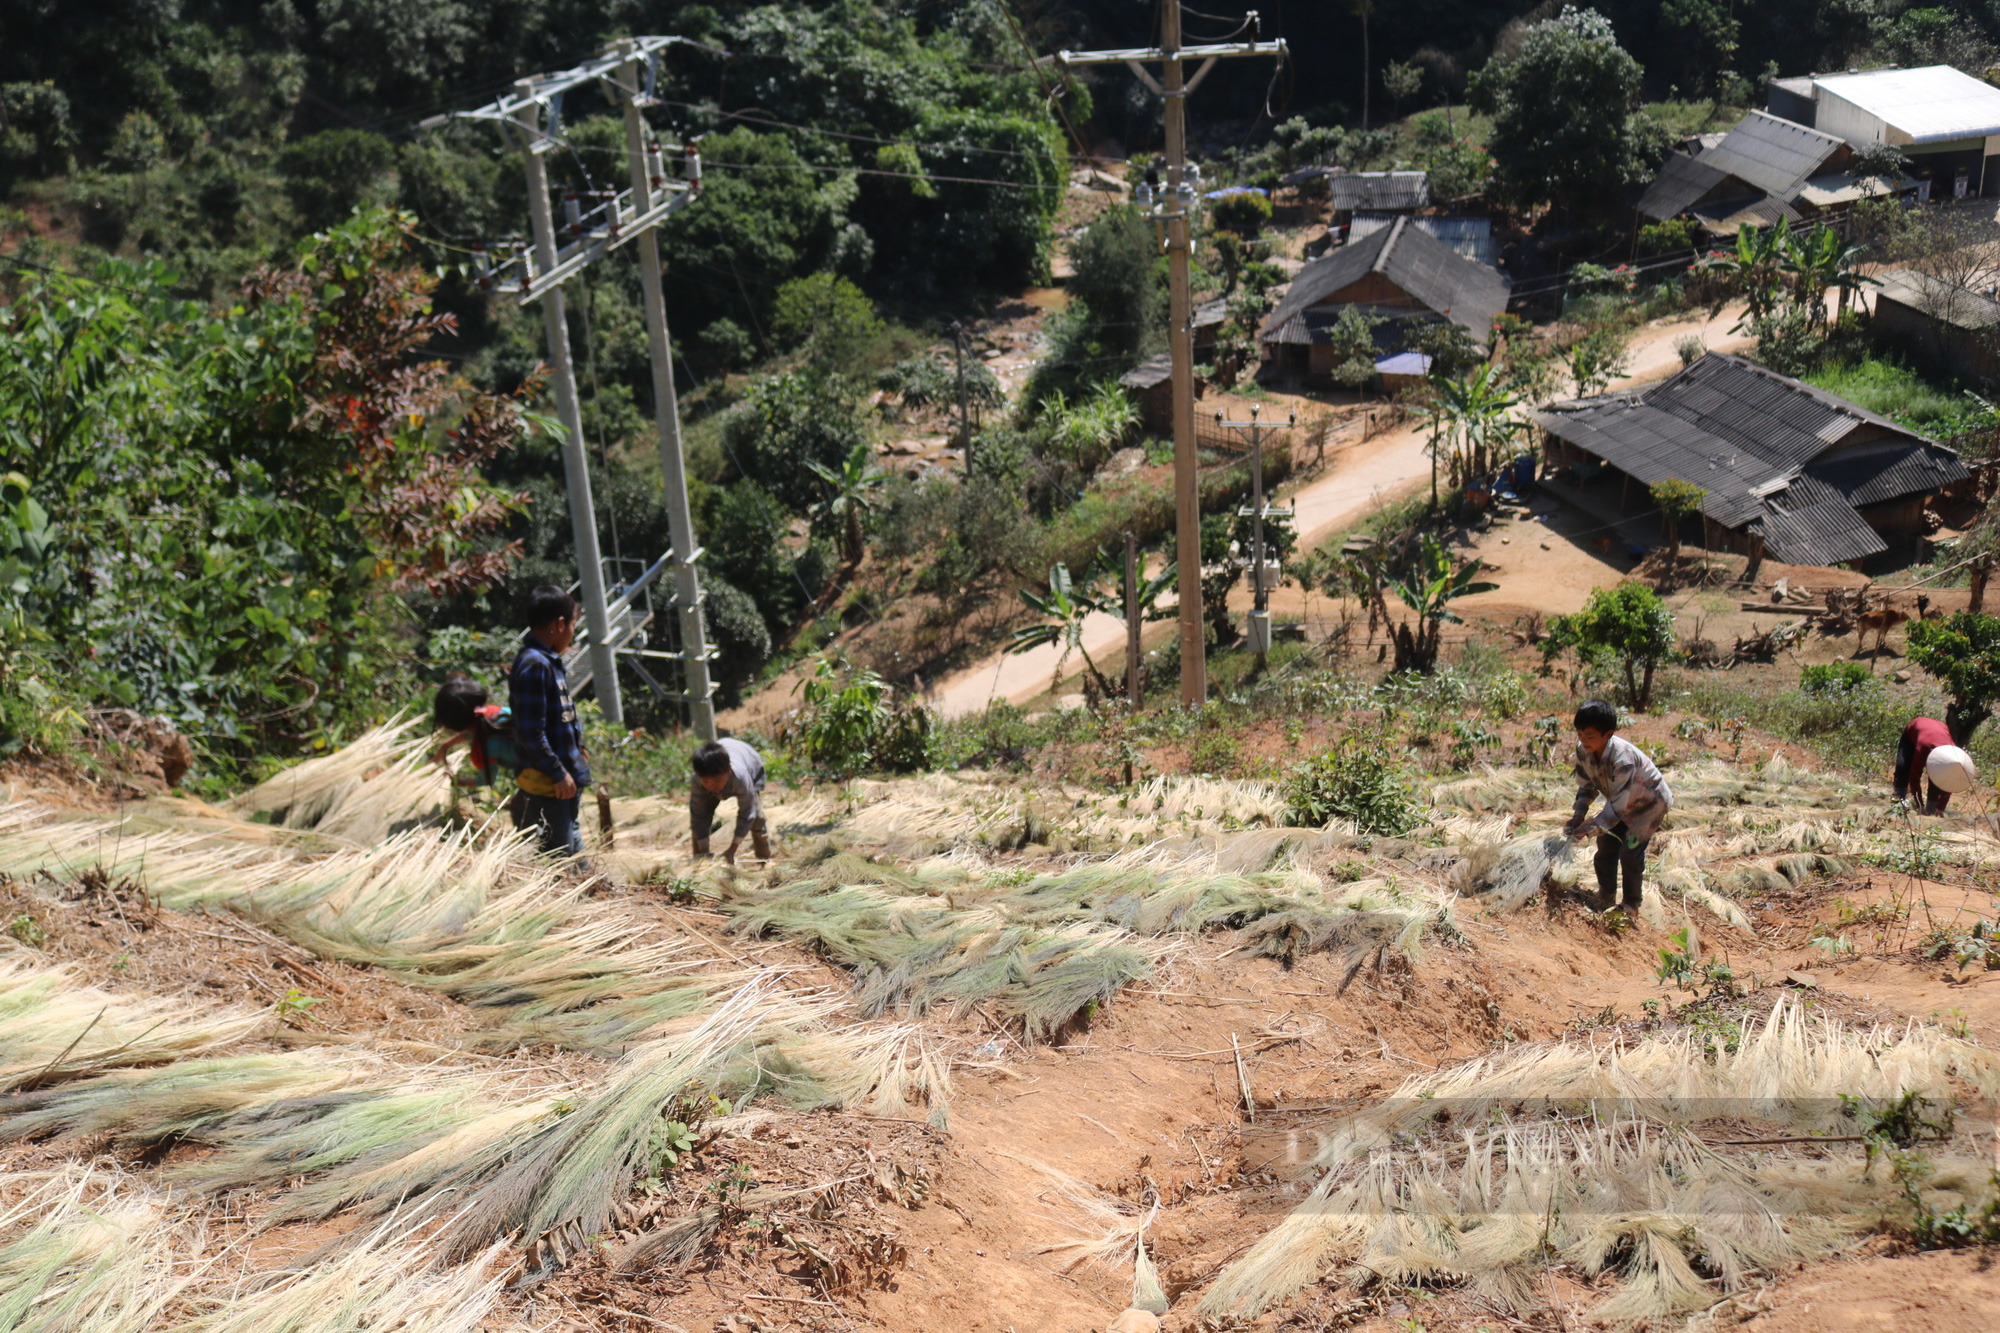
x,y
546,735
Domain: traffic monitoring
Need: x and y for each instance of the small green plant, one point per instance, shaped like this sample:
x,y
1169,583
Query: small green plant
x,y
1504,696
1835,678
850,721
121,962
1677,965
1918,854
293,1007
1468,739
1358,779
1540,747
1833,946
26,930
1347,872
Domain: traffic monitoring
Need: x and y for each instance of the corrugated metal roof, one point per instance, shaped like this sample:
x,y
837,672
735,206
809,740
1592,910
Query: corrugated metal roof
x,y
1777,156
1867,476
1930,105
1435,277
1728,216
1680,186
1213,312
1404,363
1381,191
1809,523
1767,450
1938,299
1471,237
1148,374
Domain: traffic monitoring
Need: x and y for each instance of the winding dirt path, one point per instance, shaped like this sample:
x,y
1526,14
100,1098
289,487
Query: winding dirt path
x,y
1386,469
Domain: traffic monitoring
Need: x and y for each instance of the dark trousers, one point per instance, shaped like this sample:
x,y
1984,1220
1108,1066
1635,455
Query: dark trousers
x,y
555,823
1612,853
1910,781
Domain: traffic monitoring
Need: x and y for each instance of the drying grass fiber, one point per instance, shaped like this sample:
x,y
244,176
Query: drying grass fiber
x,y
1596,1154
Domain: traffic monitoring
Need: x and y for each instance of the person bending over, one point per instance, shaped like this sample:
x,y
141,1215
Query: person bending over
x,y
548,742
1913,753
723,770
1636,800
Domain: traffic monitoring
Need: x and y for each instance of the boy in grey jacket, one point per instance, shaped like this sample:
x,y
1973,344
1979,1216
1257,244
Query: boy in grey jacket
x,y
723,770
1636,801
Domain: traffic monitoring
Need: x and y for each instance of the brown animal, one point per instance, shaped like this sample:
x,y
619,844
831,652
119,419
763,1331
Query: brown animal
x,y
1602,545
1879,623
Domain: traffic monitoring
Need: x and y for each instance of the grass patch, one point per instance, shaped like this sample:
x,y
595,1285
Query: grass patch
x,y
1856,729
1896,391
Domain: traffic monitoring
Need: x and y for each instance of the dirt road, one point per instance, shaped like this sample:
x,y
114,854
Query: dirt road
x,y
1385,469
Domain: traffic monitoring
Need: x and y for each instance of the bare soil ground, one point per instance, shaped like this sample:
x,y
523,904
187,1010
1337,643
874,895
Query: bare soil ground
x,y
852,1221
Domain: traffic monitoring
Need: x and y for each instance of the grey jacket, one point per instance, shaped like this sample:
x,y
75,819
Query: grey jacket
x,y
746,787
1633,790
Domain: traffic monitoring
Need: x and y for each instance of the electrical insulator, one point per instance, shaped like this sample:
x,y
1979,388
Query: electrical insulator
x,y
693,154
572,212
611,218
1190,181
656,169
1256,25
1149,188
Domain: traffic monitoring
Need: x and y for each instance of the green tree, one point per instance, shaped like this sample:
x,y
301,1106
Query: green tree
x,y
1243,211
1352,336
827,317
1470,421
1400,80
1677,501
1628,626
1596,359
1433,581
788,423
851,492
1963,653
1701,37
1566,124
1116,281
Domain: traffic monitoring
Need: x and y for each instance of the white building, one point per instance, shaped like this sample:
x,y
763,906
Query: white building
x,y
1944,120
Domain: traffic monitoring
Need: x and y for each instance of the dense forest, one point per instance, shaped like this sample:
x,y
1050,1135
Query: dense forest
x,y
227,244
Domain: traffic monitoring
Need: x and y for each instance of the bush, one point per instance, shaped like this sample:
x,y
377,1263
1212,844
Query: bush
x,y
1665,237
1242,210
1359,779
1836,678
855,724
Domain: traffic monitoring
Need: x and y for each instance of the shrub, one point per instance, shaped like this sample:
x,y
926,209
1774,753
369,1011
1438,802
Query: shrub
x,y
1673,234
1359,779
854,721
1836,678
1243,211
1628,625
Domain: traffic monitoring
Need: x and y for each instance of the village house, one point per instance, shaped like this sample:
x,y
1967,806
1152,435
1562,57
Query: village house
x,y
1938,323
1944,120
1399,273
1790,471
1765,169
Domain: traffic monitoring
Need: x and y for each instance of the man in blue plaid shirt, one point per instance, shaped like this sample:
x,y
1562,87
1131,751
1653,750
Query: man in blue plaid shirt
x,y
548,742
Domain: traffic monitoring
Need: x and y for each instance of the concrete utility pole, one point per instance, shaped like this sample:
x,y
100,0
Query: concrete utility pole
x,y
648,175
530,120
1174,213
1260,617
576,464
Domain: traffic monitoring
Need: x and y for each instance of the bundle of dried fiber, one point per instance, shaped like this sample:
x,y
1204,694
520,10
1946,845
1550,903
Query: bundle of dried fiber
x,y
557,1180
912,951
1522,867
1505,791
876,1071
138,1108
1474,1173
53,1028
1227,800
388,1280
1790,1069
1486,1207
87,1250
380,781
1102,1228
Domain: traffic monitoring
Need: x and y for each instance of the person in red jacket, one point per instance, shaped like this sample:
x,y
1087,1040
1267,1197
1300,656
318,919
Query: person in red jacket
x,y
1912,753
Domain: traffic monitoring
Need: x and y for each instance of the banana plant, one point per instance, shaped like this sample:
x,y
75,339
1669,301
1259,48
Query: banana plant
x,y
1428,587
851,492
1818,260
1069,602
